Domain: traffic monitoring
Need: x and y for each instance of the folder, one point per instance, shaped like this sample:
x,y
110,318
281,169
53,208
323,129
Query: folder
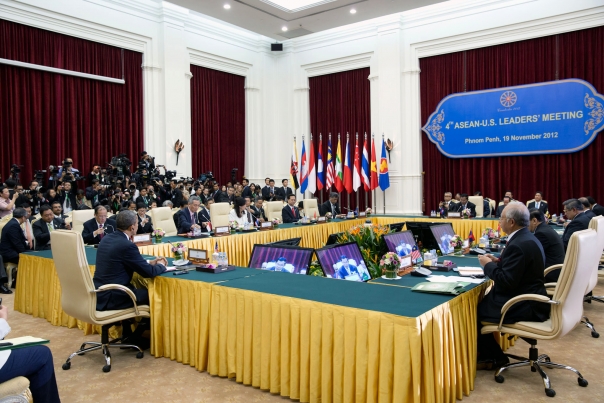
x,y
440,288
22,342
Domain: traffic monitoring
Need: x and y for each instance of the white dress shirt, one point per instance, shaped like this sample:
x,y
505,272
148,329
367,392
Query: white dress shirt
x,y
245,218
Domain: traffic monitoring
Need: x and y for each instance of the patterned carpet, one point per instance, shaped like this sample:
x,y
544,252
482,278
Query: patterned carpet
x,y
162,380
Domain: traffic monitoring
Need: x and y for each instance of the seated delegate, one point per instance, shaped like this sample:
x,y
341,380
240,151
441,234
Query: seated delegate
x,y
99,226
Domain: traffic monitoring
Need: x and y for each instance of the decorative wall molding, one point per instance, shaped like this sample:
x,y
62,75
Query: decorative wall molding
x,y
189,75
337,65
216,62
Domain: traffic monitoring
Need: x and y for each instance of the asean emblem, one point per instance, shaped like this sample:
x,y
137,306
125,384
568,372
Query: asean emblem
x,y
508,99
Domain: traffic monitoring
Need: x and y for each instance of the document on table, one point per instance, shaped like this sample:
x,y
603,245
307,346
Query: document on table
x,y
470,271
454,279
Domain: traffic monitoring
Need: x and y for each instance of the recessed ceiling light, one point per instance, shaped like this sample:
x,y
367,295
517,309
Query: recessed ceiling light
x,y
284,29
227,6
353,11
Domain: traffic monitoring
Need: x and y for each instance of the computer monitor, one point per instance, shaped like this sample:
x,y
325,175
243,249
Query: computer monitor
x,y
343,261
286,242
287,259
333,238
443,234
403,244
397,227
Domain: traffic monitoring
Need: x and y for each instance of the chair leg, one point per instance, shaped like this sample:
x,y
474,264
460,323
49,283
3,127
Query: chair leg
x,y
546,382
591,327
81,351
561,366
599,298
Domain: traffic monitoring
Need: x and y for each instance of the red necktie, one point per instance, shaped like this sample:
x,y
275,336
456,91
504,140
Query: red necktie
x,y
293,212
102,233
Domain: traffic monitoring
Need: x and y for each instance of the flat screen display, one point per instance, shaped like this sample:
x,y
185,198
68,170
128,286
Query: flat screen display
x,y
287,259
443,234
403,244
343,262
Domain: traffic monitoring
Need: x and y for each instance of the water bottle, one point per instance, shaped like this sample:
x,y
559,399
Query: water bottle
x,y
483,242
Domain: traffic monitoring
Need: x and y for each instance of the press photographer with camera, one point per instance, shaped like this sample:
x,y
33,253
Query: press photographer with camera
x,y
172,193
7,203
96,193
33,196
67,197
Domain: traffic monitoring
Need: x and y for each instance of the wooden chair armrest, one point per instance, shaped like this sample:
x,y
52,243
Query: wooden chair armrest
x,y
120,287
523,297
552,268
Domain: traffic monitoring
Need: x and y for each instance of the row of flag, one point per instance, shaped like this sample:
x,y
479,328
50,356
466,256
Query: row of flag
x,y
349,177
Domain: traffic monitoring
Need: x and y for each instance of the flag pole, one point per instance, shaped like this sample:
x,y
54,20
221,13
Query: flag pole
x,y
366,196
373,144
336,174
321,191
356,146
383,191
346,156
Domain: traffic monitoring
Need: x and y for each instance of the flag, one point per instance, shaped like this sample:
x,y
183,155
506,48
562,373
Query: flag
x,y
356,175
384,178
312,171
330,172
471,237
216,247
365,163
415,254
293,170
374,176
303,170
320,178
348,170
339,175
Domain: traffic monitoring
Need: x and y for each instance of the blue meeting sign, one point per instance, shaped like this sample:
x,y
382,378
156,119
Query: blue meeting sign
x,y
545,118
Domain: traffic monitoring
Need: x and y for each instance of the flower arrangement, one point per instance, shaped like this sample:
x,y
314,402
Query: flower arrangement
x,y
466,213
456,242
367,212
178,250
389,264
328,216
276,221
233,224
315,269
158,234
490,233
371,243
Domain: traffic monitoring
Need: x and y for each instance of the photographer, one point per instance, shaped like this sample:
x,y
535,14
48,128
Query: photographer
x,y
94,174
96,193
116,200
32,196
147,161
7,203
81,202
67,198
173,193
67,172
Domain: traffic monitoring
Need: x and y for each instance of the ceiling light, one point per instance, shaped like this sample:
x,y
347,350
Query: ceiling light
x,y
227,6
284,29
353,11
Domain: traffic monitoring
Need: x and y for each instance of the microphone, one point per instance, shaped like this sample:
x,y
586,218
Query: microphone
x,y
107,226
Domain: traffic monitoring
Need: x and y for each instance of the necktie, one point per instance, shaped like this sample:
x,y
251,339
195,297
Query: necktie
x,y
102,233
293,212
333,210
537,205
192,218
67,201
50,227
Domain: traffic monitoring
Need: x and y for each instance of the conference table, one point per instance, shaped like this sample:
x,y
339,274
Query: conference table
x,y
306,337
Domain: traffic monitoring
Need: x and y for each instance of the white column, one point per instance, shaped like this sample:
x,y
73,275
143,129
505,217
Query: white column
x,y
301,122
153,111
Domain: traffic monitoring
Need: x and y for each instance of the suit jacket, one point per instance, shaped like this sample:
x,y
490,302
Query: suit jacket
x,y
499,210
288,216
116,261
266,193
13,240
579,223
283,192
518,271
41,233
247,192
145,200
469,205
258,213
223,197
184,221
486,208
90,226
597,209
326,208
590,214
543,207
72,198
553,249
144,229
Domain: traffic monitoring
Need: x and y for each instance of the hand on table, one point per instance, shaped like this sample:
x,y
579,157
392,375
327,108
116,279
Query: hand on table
x,y
160,260
488,258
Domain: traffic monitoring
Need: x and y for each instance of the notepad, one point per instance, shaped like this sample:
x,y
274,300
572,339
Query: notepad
x,y
470,271
21,342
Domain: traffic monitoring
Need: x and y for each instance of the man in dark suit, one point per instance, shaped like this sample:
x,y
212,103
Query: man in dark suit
x,y
43,227
550,241
269,192
486,206
145,226
174,194
117,260
228,197
57,210
284,191
204,211
518,271
465,204
331,205
290,213
68,198
13,242
506,201
246,192
257,210
144,198
188,218
573,210
587,207
98,227
448,204
595,207
95,193
539,203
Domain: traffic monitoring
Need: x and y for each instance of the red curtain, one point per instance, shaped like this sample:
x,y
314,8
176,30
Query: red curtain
x,y
341,103
559,176
45,117
217,123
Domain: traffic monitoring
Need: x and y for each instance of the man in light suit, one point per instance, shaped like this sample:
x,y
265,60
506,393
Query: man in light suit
x,y
96,228
188,218
518,271
44,226
539,204
573,209
290,213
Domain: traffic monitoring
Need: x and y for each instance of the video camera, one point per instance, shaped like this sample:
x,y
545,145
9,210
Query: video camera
x,y
205,177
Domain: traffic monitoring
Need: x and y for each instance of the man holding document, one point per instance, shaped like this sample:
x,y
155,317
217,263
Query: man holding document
x,y
518,271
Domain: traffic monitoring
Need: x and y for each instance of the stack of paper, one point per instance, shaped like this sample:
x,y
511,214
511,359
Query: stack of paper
x,y
470,271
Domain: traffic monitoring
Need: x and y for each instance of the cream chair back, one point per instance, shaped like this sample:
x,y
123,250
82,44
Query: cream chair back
x,y
581,256
273,210
479,202
219,214
6,218
161,217
597,224
78,298
79,217
311,208
493,204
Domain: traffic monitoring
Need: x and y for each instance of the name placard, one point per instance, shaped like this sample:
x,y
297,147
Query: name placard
x,y
362,214
321,220
452,214
406,261
142,239
198,256
266,226
222,231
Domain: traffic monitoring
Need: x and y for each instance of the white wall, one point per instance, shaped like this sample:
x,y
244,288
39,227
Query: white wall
x,y
276,88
